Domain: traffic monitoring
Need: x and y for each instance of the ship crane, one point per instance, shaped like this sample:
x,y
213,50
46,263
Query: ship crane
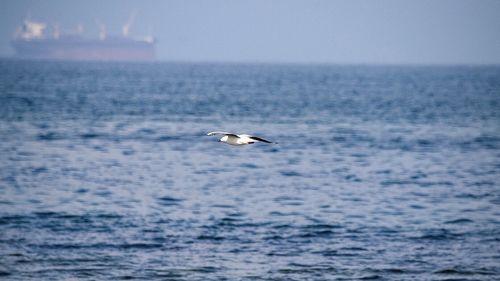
x,y
102,29
128,24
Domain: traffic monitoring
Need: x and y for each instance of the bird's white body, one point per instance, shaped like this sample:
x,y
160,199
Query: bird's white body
x,y
241,139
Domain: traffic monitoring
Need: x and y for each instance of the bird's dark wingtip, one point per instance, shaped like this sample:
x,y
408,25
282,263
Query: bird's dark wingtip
x,y
260,139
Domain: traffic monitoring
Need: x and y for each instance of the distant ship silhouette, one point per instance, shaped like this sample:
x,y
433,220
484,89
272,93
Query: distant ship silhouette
x,y
30,42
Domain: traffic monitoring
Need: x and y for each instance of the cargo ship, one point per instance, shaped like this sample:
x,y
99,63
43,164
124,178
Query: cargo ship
x,y
32,42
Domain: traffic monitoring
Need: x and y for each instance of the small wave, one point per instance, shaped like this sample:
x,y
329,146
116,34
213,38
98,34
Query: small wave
x,y
391,270
434,183
286,198
39,170
488,141
14,99
139,246
438,234
169,201
316,234
284,214
167,138
271,149
89,136
463,271
303,269
472,196
249,166
458,221
319,231
354,249
371,277
126,277
417,207
396,182
73,217
203,269
288,201
210,237
275,237
229,222
50,136
73,246
415,182
146,131
14,219
170,274
322,226
223,206
352,178
128,152
336,253
48,214
290,174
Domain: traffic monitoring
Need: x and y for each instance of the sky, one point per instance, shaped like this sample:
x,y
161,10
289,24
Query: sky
x,y
284,31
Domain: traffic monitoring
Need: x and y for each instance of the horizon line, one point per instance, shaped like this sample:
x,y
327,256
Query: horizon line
x,y
263,62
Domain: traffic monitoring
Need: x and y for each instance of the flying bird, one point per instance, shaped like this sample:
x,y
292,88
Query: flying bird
x,y
234,139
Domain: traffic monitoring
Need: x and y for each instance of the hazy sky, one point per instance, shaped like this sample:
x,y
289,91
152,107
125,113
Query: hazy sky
x,y
350,31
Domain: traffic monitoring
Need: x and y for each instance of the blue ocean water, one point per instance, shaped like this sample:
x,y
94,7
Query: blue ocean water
x,y
381,172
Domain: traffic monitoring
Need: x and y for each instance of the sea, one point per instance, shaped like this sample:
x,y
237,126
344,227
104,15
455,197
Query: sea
x,y
380,172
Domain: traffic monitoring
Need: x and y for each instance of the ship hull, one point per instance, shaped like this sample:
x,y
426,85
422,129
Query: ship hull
x,y
120,49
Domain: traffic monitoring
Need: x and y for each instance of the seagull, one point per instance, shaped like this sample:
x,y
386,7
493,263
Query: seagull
x,y
234,139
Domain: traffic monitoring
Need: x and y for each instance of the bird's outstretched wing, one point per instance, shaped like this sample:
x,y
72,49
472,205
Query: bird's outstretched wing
x,y
260,139
218,133
222,133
